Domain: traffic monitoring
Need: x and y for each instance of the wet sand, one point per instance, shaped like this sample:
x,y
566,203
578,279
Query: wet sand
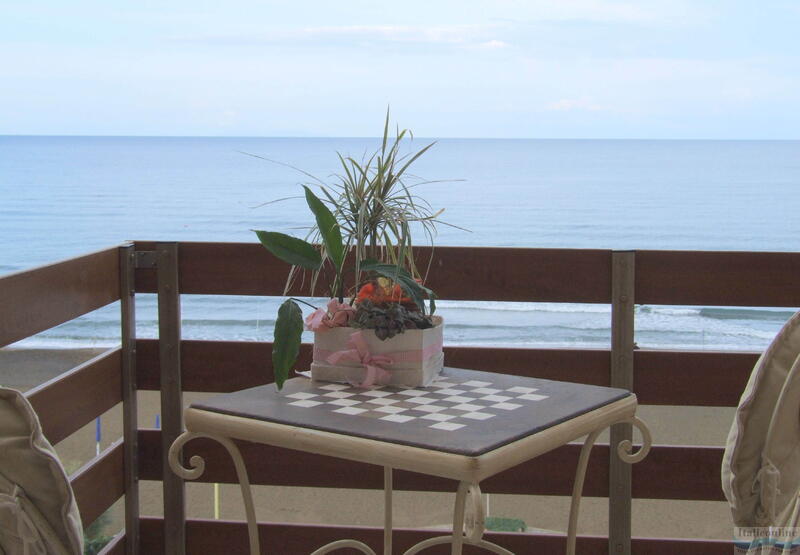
x,y
26,368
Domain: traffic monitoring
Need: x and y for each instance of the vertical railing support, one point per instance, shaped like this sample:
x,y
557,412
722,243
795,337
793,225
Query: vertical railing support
x,y
169,335
130,432
622,330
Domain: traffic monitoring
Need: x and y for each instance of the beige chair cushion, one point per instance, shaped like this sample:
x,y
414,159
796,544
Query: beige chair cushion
x,y
38,513
779,482
742,474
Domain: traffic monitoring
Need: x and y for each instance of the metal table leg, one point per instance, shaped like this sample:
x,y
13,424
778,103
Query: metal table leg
x,y
387,510
198,465
468,526
624,451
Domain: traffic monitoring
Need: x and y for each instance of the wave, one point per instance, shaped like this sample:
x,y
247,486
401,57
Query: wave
x,y
47,342
255,324
502,306
718,313
467,323
667,310
721,313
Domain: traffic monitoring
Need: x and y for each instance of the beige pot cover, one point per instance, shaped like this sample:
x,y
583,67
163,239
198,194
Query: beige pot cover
x,y
761,465
38,513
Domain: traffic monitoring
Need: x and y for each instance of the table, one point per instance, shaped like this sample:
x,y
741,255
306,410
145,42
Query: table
x,y
466,426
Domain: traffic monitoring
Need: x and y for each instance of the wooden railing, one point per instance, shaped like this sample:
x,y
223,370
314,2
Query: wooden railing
x,y
41,298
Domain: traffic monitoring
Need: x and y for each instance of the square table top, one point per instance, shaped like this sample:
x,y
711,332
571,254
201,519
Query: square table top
x,y
465,412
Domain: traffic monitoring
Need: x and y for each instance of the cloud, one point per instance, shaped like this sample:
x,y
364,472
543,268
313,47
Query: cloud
x,y
428,34
573,104
605,11
493,44
477,35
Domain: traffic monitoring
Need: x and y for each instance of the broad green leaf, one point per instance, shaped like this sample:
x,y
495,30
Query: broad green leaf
x,y
401,276
328,229
286,346
290,249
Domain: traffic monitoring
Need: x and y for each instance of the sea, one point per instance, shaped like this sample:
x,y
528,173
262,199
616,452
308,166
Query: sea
x,y
65,196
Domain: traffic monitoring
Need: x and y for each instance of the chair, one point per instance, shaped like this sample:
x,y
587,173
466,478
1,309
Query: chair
x,y
38,512
761,465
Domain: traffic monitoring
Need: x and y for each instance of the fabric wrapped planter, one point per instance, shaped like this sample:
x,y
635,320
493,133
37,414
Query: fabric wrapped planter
x,y
356,356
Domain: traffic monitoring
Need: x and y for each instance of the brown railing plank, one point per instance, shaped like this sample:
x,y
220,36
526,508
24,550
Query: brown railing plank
x,y
691,378
589,366
668,472
682,546
99,483
512,274
516,274
718,278
70,401
480,273
211,537
679,472
549,474
695,378
226,366
222,366
39,299
116,546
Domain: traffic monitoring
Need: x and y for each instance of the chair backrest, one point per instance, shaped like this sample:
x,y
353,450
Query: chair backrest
x,y
761,465
38,512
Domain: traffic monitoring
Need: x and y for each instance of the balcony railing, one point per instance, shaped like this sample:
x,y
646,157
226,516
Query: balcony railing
x,y
41,298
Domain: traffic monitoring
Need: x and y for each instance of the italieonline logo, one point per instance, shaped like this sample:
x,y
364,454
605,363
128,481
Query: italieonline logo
x,y
783,540
781,532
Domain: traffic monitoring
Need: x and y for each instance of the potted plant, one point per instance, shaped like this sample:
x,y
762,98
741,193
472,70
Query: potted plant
x,y
378,326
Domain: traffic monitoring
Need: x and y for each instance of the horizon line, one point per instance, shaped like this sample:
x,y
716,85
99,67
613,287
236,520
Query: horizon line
x,y
88,136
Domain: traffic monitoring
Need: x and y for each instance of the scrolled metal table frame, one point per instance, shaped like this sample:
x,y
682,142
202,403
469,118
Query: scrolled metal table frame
x,y
468,526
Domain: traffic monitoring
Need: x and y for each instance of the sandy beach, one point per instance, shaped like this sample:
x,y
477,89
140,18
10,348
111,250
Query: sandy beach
x,y
26,368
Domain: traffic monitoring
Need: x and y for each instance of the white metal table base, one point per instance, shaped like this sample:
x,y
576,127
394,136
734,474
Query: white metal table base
x,y
468,513
198,466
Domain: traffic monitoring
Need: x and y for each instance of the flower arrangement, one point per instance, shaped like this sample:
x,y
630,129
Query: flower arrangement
x,y
361,243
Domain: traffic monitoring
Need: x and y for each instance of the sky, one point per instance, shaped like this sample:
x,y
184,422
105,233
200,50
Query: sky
x,y
503,68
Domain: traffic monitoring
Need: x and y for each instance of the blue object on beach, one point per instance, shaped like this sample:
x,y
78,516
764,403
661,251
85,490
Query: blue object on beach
x,y
97,430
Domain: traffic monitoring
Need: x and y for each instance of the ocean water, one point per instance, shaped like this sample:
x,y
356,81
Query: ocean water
x,y
64,196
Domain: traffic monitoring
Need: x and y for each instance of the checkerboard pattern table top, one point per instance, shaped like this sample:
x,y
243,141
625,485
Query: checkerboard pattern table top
x,y
464,411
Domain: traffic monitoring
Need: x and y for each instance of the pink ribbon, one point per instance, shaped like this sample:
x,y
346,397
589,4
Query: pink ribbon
x,y
359,352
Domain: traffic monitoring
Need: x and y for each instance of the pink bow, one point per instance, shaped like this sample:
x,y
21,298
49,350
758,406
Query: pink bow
x,y
359,352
